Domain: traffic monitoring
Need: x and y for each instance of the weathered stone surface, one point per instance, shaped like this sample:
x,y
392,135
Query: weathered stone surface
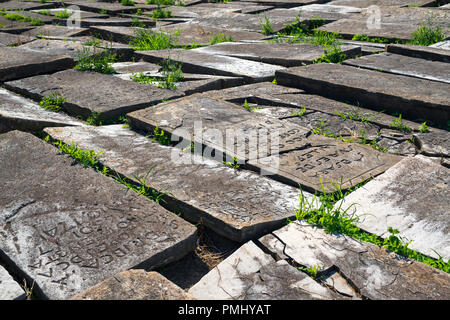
x,y
135,67
134,285
17,113
198,62
116,22
251,274
327,161
69,48
9,289
368,3
413,98
9,39
435,143
328,8
73,227
79,13
49,31
16,63
444,45
26,5
429,53
235,204
412,197
86,92
373,271
108,7
404,65
284,54
281,3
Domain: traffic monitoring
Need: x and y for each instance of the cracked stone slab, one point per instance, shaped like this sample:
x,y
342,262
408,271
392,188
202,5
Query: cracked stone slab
x,y
25,5
111,8
134,285
428,53
435,143
49,31
9,39
250,274
411,196
199,62
412,97
73,227
403,65
283,54
86,92
9,289
17,113
327,161
236,204
370,270
16,63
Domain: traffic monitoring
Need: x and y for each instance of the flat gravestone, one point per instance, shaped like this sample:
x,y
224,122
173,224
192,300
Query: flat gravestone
x,y
328,162
368,3
413,98
374,272
198,62
86,92
236,204
16,63
49,31
135,67
134,285
17,113
411,197
111,8
284,54
115,22
9,39
73,227
429,53
281,3
9,289
435,143
328,8
250,274
404,65
25,5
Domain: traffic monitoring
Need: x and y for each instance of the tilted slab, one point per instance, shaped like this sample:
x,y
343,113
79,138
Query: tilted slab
x,y
236,204
198,62
429,53
117,22
284,54
134,285
368,3
86,92
9,289
371,270
17,113
108,7
73,227
25,5
250,274
412,197
328,162
413,98
404,65
282,3
16,63
9,39
49,31
435,143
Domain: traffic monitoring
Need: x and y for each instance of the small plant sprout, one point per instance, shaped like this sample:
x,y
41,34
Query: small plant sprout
x,y
311,271
399,125
299,114
266,26
423,128
160,136
233,164
127,3
89,60
64,14
427,34
219,39
53,102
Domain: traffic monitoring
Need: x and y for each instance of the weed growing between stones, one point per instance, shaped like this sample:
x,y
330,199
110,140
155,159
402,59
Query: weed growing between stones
x,y
19,17
331,216
427,34
136,23
219,39
366,38
166,2
129,3
171,74
160,13
299,114
63,14
399,125
356,115
97,62
160,136
312,271
53,102
333,55
233,164
423,128
266,26
149,40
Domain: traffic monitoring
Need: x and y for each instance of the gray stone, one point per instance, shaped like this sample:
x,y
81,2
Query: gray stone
x,y
16,63
9,289
328,8
368,3
17,113
281,3
250,274
429,53
403,65
134,285
236,204
25,5
284,54
49,31
329,162
86,92
197,62
9,39
413,98
411,197
112,8
371,270
135,67
80,13
444,45
115,22
435,143
73,227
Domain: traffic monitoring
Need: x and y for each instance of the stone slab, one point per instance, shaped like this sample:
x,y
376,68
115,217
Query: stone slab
x,y
17,113
134,285
404,65
9,39
329,162
9,289
110,21
16,63
444,45
281,3
112,8
197,62
49,31
283,54
73,227
373,272
26,5
79,13
435,143
86,92
250,274
236,204
429,53
412,196
414,98
368,3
